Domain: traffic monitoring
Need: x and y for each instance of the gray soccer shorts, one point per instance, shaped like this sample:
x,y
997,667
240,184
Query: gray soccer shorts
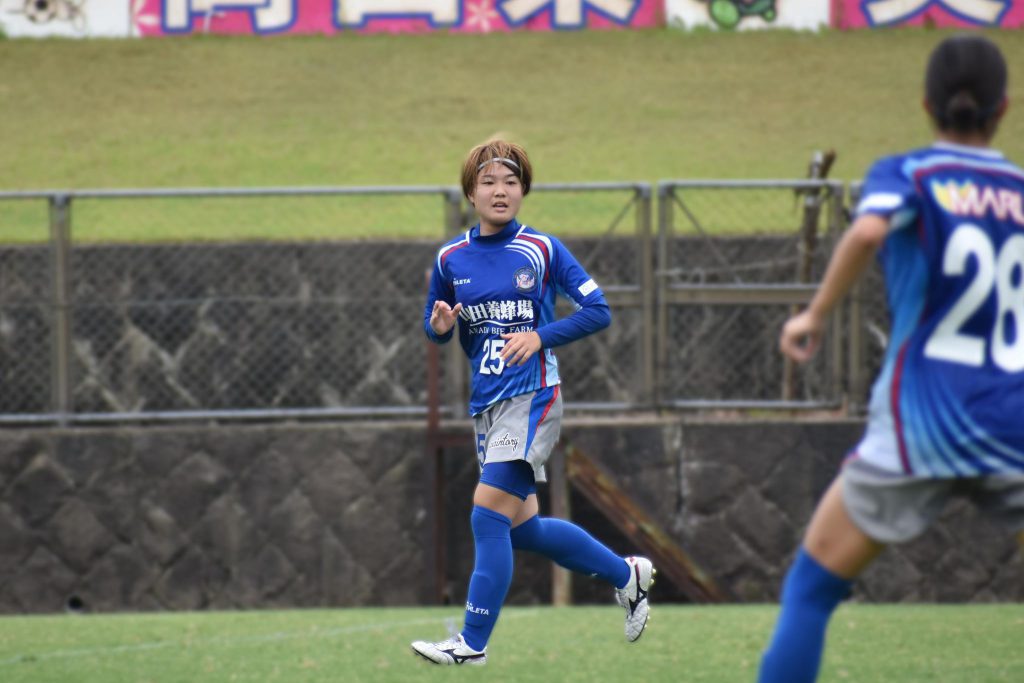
x,y
891,507
523,427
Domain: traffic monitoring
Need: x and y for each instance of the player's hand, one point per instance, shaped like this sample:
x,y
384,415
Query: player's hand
x,y
443,317
519,346
801,336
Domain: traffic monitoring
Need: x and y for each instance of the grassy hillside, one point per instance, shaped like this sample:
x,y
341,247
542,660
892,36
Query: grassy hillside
x,y
381,109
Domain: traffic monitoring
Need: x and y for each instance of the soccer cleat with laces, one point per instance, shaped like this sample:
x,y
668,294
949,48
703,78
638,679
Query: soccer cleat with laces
x,y
633,596
451,651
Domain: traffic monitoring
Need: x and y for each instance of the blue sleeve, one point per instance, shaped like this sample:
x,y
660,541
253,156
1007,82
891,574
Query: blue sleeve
x,y
441,289
592,313
889,192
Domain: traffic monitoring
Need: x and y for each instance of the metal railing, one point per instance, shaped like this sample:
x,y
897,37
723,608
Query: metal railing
x,y
219,328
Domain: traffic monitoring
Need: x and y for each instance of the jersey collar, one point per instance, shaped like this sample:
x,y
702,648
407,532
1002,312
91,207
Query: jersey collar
x,y
507,233
986,152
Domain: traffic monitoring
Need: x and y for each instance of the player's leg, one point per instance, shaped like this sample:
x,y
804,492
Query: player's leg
x,y
568,545
572,547
834,551
491,521
835,541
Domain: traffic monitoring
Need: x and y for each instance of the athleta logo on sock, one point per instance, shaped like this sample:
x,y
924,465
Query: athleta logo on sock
x,y
477,610
506,441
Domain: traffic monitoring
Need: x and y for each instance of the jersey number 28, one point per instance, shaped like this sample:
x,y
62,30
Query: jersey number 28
x,y
1005,272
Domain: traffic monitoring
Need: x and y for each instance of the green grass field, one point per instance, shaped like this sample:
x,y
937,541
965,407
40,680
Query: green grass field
x,y
403,110
904,644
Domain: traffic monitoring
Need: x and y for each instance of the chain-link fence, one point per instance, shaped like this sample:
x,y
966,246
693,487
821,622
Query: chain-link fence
x,y
614,369
27,308
223,326
736,258
229,318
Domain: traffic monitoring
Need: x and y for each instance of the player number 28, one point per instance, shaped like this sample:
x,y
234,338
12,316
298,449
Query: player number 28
x,y
1005,272
491,362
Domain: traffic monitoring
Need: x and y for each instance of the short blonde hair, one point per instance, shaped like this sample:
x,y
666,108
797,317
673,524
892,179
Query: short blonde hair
x,y
501,151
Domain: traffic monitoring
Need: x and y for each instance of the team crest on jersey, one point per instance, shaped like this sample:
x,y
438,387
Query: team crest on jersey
x,y
525,279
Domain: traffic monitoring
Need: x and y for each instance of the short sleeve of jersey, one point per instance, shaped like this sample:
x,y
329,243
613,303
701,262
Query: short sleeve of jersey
x,y
889,192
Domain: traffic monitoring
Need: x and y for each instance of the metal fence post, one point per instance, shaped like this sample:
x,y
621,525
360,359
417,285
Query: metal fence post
x,y
453,215
560,495
665,199
857,381
647,294
60,257
833,229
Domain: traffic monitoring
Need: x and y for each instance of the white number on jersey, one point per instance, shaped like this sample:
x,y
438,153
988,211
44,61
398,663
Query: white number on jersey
x,y
1005,272
491,362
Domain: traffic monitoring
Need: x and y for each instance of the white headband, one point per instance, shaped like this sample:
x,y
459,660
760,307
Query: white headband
x,y
503,160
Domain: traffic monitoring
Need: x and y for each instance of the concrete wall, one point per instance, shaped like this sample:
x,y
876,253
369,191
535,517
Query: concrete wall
x,y
334,514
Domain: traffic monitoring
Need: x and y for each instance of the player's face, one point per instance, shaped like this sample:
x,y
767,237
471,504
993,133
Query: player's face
x,y
497,196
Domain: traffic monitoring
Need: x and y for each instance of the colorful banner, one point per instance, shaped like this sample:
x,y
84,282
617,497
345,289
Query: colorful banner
x,y
66,18
122,18
747,14
941,13
175,17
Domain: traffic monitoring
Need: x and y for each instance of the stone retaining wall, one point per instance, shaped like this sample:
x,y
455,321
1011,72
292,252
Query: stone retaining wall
x,y
304,515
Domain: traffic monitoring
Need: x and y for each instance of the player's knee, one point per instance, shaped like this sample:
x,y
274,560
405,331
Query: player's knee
x,y
488,523
808,582
527,535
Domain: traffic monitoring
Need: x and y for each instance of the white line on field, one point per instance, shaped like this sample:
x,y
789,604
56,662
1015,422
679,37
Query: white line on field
x,y
241,640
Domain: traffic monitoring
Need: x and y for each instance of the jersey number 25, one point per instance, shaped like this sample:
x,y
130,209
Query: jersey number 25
x,y
491,362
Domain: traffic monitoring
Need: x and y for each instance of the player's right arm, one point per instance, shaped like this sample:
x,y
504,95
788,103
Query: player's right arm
x,y
801,335
441,311
888,203
443,317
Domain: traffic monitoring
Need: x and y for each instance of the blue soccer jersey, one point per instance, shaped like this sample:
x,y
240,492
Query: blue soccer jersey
x,y
507,283
949,401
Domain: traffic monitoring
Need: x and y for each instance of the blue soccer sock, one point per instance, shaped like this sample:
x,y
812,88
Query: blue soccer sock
x,y
571,547
492,575
809,596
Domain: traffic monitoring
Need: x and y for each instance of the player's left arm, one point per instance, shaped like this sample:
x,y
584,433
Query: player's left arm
x,y
592,313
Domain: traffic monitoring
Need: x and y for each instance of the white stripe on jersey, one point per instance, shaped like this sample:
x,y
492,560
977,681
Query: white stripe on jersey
x,y
444,250
968,149
925,163
883,201
519,243
543,238
531,255
550,366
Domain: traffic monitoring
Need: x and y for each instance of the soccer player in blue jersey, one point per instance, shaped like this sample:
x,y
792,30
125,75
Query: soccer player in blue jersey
x,y
498,283
946,416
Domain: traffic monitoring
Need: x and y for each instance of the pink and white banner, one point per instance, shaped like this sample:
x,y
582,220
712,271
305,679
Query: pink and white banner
x,y
175,17
942,13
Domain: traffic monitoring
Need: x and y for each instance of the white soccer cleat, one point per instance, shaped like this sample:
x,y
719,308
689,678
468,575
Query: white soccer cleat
x,y
633,597
451,651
